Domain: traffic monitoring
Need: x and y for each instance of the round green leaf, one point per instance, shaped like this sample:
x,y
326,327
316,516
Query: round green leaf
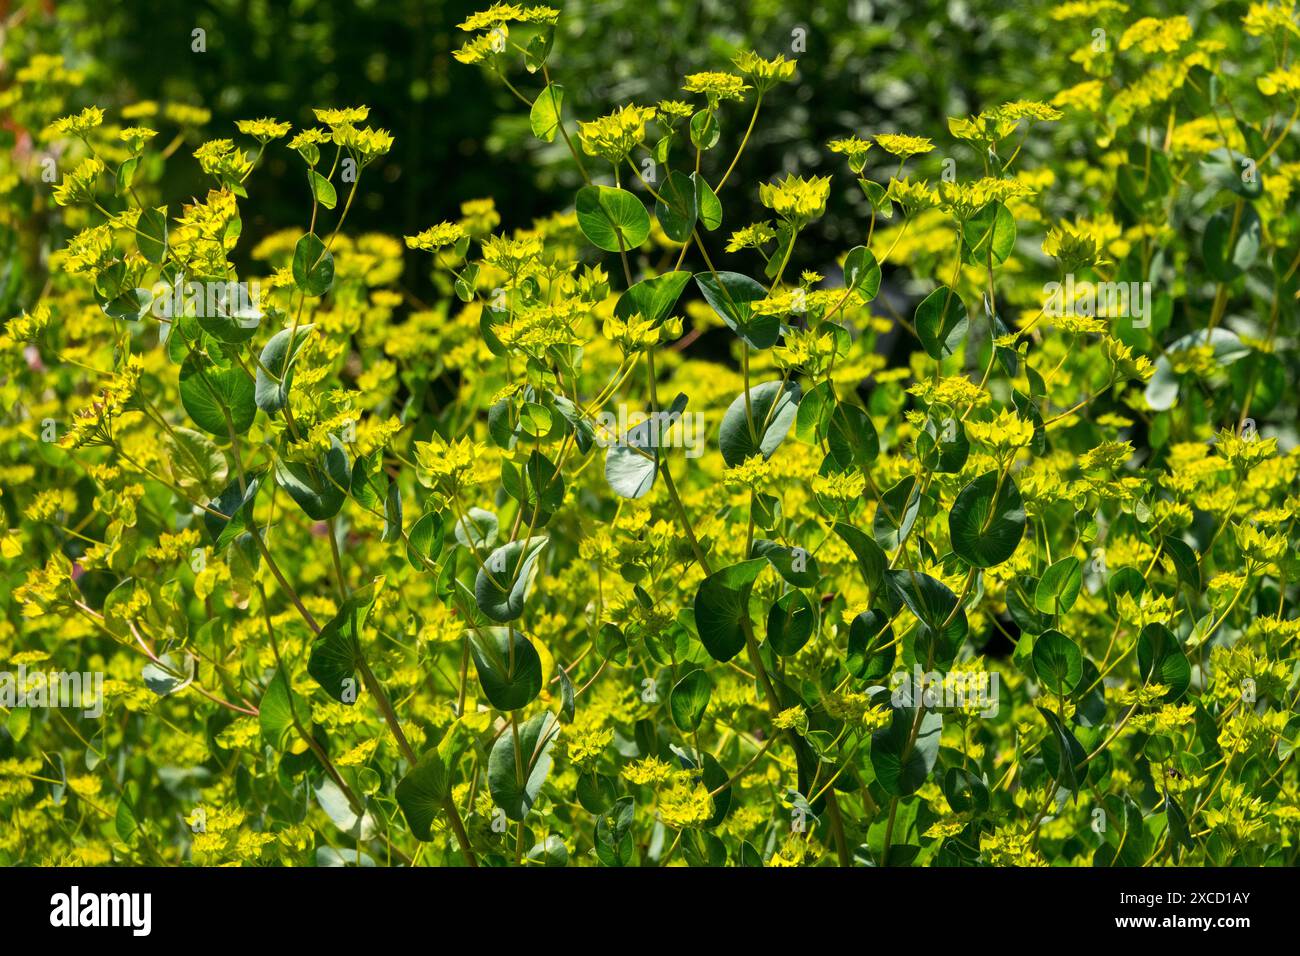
x,y
689,700
509,668
517,769
722,608
987,522
313,266
1058,588
1057,662
790,623
1161,660
219,400
612,219
941,322
773,406
501,586
862,272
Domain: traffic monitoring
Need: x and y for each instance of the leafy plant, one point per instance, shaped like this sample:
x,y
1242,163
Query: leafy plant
x,y
378,580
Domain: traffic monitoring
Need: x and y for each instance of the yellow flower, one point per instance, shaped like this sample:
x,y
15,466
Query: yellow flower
x,y
902,145
79,185
753,236
765,73
1006,433
1107,456
342,117
648,771
1286,80
78,125
913,197
449,466
263,130
612,137
1244,452
436,237
1152,35
1085,96
716,86
795,199
136,136
685,804
1258,545
500,13
1264,18
843,486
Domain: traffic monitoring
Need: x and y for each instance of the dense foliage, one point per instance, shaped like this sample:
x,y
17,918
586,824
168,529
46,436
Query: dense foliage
x,y
389,577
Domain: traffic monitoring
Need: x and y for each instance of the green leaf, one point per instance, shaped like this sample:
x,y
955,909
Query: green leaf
x,y
689,700
614,843
1231,242
814,416
231,512
1161,660
871,559
944,625
705,130
1057,662
987,521
612,219
652,298
731,295
422,793
1162,389
722,608
897,513
313,266
991,231
773,406
709,205
1058,588
871,649
544,117
126,819
502,584
851,437
151,234
796,565
322,190
1061,750
219,400
336,652
941,322
517,769
632,463
862,273
195,460
425,539
478,529
509,668
319,488
276,368
276,711
791,621
678,206
965,792
901,764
